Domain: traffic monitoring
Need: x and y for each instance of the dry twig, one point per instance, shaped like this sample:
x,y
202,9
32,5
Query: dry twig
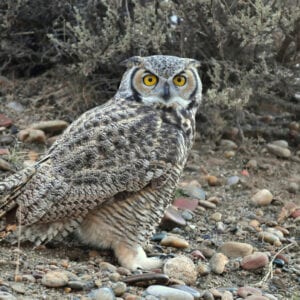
x,y
269,274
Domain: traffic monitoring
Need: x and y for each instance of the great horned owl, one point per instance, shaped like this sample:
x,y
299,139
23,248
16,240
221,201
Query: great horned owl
x,y
112,173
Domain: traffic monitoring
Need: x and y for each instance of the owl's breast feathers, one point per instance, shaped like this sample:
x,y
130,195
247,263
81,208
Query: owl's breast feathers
x,y
121,146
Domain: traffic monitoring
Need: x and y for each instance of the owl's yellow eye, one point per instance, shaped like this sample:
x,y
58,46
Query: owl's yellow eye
x,y
150,80
179,80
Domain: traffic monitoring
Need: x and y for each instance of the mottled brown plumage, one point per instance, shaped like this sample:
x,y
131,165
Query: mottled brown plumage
x,y
112,173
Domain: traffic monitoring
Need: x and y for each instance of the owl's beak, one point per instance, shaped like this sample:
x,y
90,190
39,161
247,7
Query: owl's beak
x,y
166,92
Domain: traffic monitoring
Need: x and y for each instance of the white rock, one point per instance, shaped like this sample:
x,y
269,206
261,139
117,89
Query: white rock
x,y
218,262
281,143
55,279
181,268
166,293
262,198
279,151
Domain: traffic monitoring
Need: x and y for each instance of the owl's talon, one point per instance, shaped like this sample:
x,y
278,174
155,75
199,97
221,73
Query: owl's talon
x,y
134,258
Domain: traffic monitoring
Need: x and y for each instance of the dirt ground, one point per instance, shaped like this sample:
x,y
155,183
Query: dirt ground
x,y
233,203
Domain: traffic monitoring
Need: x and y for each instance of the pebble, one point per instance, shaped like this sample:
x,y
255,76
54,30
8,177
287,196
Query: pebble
x,y
4,165
216,293
207,252
232,180
279,151
228,144
296,213
102,294
251,164
18,287
198,254
5,121
77,284
220,226
53,126
227,296
172,218
187,215
181,268
6,296
30,135
278,262
283,230
55,279
147,279
269,238
6,140
247,291
216,217
293,187
123,271
215,200
255,224
157,237
168,293
280,143
16,106
236,249
276,232
196,294
229,154
218,263
262,198
28,278
186,203
105,266
254,261
203,269
132,297
208,296
212,180
270,297
114,276
207,204
294,126
174,241
119,288
256,297
194,190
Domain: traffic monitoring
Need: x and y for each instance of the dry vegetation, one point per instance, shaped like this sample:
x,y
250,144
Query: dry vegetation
x,y
248,49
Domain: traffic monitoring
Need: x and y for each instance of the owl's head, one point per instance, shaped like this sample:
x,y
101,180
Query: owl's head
x,y
166,80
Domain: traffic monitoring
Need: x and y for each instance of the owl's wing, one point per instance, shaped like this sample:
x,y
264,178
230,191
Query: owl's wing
x,y
108,150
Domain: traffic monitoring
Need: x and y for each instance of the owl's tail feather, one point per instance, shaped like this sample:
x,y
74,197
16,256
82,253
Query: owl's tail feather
x,y
11,187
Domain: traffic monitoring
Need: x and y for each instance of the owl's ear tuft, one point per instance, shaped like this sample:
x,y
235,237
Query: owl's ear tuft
x,y
132,61
193,63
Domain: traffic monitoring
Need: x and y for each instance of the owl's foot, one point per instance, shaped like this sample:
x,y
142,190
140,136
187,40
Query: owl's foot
x,y
134,258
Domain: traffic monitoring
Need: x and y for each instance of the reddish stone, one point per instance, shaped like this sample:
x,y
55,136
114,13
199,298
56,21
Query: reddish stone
x,y
5,121
186,203
245,173
198,254
296,213
254,261
4,151
172,218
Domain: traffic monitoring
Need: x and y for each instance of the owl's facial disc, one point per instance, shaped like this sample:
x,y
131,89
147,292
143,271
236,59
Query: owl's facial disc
x,y
175,90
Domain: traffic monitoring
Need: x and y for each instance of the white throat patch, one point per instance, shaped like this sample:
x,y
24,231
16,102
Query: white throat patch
x,y
172,102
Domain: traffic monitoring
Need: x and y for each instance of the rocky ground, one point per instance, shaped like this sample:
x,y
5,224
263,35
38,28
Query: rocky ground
x,y
232,232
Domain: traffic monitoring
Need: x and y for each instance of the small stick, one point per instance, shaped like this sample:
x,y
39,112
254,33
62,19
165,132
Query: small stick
x,y
270,268
19,244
